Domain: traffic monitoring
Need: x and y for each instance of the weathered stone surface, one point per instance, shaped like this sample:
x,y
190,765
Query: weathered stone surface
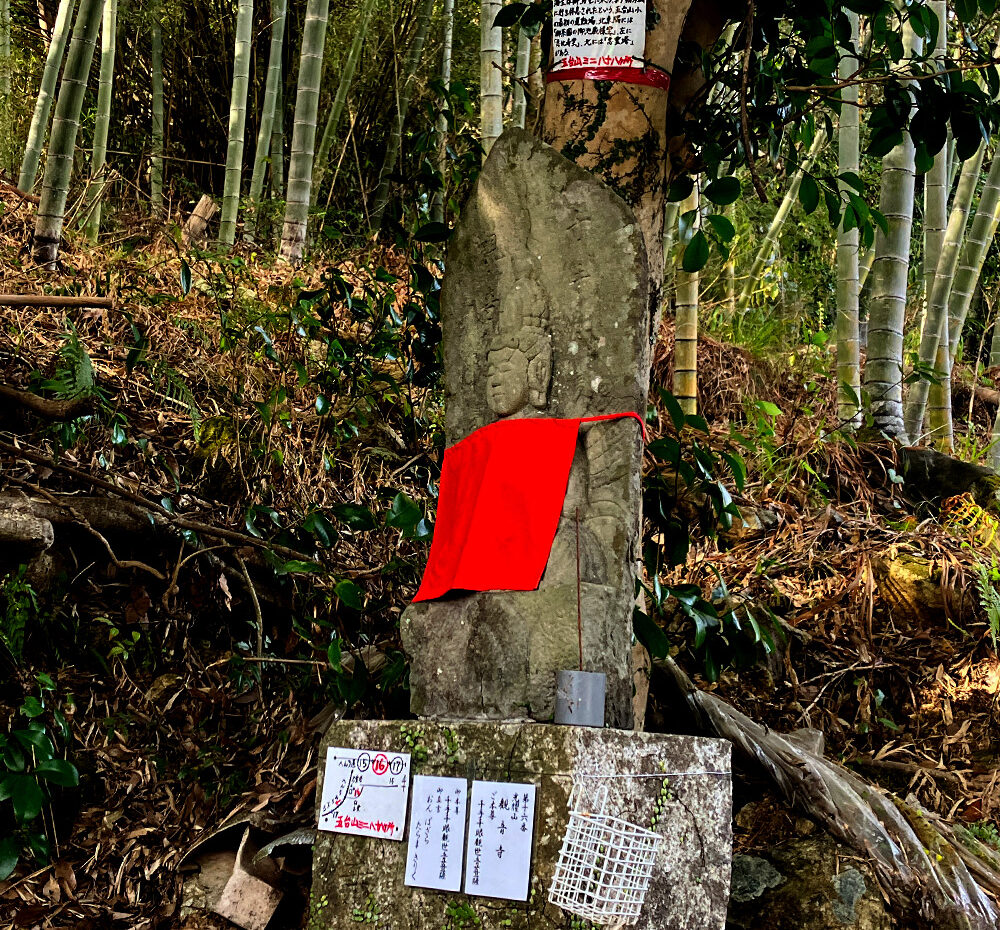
x,y
359,881
805,884
545,312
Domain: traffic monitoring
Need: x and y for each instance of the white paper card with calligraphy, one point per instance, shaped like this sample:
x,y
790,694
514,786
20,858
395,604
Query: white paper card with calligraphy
x,y
501,827
365,793
598,34
437,833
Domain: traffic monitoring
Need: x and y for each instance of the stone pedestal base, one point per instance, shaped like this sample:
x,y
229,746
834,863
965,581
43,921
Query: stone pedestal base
x,y
358,883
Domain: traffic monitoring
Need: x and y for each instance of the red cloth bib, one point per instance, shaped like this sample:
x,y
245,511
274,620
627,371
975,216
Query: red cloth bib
x,y
502,491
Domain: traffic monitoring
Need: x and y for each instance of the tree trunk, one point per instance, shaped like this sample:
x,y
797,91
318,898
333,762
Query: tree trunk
x,y
940,294
340,101
939,419
686,330
43,105
109,29
300,165
262,152
848,246
883,376
438,200
65,126
521,78
156,164
784,210
490,75
237,123
413,56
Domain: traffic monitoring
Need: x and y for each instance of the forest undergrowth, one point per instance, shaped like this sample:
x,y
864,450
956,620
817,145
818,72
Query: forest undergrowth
x,y
254,451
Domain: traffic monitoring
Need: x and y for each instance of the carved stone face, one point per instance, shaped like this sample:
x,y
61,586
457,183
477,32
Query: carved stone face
x,y
519,374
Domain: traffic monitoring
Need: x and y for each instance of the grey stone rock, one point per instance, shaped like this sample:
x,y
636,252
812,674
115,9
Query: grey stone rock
x,y
817,890
752,876
545,312
358,881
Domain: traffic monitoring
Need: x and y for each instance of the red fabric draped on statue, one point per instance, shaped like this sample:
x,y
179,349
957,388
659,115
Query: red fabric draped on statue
x,y
502,490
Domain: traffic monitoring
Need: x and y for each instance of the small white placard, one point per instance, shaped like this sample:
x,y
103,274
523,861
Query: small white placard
x,y
598,34
364,792
437,833
501,826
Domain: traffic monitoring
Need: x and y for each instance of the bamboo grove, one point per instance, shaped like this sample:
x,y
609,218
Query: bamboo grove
x,y
299,115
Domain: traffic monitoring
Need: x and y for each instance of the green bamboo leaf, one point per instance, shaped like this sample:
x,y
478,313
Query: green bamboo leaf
x,y
723,191
809,193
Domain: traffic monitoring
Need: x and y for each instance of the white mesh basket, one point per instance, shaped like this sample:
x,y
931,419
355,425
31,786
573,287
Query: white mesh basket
x,y
605,863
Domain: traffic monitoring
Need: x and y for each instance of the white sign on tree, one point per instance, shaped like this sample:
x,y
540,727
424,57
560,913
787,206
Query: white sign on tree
x,y
596,34
501,826
365,792
437,833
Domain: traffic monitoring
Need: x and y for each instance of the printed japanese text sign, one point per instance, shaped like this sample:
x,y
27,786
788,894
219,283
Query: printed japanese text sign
x,y
501,827
365,792
598,34
437,833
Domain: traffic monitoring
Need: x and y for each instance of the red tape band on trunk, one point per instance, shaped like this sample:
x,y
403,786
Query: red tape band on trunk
x,y
649,77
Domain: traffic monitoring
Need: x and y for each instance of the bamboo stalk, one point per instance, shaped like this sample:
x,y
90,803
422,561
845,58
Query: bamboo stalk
x,y
340,101
686,330
237,123
490,75
262,154
43,104
95,192
156,163
521,78
437,201
300,166
848,246
65,126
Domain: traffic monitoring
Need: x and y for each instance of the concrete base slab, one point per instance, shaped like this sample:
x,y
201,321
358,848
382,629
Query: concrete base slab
x,y
358,883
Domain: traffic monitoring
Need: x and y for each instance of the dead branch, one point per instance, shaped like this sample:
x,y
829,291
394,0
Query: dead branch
x,y
6,188
57,302
987,395
25,531
44,407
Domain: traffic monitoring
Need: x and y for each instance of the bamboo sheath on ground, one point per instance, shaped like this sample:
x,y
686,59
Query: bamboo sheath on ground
x,y
300,164
848,245
263,150
413,56
883,377
237,123
686,330
43,104
437,201
65,126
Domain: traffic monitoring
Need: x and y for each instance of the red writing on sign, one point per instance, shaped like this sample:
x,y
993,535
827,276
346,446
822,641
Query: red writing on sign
x,y
381,764
352,823
598,61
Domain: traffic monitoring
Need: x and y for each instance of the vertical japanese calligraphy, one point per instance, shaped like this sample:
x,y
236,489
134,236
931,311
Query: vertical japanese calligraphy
x,y
501,827
365,792
437,833
598,34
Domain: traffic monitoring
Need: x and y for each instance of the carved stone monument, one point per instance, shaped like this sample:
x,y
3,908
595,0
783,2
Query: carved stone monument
x,y
545,313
